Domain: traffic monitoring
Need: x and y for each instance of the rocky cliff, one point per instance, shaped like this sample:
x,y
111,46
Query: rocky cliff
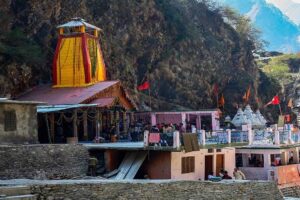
x,y
184,46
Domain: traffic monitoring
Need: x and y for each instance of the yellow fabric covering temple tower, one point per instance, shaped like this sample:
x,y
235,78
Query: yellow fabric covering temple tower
x,y
78,59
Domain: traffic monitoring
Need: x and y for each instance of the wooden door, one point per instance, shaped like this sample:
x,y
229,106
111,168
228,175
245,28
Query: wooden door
x,y
219,163
208,165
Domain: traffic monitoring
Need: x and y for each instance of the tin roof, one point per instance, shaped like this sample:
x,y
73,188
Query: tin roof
x,y
61,96
8,101
75,22
55,108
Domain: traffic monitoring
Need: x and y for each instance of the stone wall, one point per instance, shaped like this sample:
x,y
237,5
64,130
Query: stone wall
x,y
157,190
26,124
43,161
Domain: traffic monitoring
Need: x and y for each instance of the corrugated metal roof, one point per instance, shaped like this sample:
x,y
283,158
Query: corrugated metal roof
x,y
78,22
62,96
55,108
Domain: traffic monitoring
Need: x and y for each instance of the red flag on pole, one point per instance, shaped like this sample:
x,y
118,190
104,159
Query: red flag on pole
x,y
144,86
274,101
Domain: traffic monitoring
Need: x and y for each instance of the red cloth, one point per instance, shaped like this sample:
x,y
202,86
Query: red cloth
x,y
144,86
154,138
275,100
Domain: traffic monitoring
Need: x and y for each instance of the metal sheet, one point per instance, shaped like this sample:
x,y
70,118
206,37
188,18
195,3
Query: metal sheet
x,y
139,159
55,108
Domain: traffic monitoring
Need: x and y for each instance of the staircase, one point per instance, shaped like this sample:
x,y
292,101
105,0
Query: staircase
x,y
291,191
16,193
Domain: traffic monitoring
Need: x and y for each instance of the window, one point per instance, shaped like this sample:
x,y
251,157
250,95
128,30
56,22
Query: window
x,y
210,150
219,150
187,164
10,120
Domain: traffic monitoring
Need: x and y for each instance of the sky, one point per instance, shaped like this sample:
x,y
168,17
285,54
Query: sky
x,y
290,8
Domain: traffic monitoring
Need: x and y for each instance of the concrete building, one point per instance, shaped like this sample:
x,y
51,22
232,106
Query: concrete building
x,y
18,122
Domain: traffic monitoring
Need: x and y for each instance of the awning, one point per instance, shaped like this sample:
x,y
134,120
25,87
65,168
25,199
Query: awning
x,y
55,108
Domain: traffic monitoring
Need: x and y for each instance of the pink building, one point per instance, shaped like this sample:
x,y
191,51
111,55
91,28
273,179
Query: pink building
x,y
203,119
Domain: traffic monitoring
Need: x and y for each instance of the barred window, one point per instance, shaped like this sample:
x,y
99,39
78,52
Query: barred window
x,y
187,164
10,120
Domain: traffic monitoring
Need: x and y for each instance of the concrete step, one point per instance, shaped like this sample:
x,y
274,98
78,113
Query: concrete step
x,y
20,197
14,190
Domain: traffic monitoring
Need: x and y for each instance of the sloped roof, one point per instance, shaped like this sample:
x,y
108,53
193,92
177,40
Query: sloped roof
x,y
69,95
261,117
75,22
104,102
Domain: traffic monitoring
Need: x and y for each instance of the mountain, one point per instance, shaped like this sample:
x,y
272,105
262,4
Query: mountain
x,y
277,29
184,46
290,8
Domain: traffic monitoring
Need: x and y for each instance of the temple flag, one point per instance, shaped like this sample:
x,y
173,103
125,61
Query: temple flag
x,y
144,86
290,103
274,101
222,101
216,89
247,95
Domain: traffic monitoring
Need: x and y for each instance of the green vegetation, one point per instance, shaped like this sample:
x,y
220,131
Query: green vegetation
x,y
16,46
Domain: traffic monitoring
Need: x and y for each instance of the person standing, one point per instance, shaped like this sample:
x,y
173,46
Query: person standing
x,y
238,174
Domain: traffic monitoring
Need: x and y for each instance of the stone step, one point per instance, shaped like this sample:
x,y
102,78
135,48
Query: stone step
x,y
14,190
20,197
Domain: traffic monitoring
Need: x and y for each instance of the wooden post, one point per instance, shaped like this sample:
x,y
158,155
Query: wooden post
x,y
48,128
85,126
97,124
124,123
75,130
52,126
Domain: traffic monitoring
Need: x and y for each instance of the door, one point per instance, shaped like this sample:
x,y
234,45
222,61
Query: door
x,y
219,163
208,165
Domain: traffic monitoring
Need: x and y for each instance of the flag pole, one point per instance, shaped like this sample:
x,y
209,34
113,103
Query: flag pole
x,y
149,92
280,109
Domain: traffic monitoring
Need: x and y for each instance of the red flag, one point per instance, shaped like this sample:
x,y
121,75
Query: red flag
x,y
216,89
221,101
274,101
144,86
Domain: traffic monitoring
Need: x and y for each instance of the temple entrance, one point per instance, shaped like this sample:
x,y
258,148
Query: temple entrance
x,y
219,163
208,166
206,123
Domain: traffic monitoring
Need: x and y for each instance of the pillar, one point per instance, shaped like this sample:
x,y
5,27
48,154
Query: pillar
x,y
117,123
213,122
97,124
146,140
228,131
85,126
250,135
75,130
290,141
124,117
277,137
52,127
296,155
267,160
198,122
153,119
183,119
203,137
176,140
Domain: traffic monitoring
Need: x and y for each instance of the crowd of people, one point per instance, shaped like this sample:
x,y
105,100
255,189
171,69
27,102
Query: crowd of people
x,y
223,175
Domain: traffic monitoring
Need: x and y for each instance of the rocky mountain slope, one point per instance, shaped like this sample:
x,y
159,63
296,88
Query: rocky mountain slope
x,y
183,46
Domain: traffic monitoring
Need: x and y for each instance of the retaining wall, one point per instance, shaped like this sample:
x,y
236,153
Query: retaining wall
x,y
43,161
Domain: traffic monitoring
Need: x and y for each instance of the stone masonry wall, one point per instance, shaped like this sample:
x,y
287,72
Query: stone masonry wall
x,y
43,161
157,190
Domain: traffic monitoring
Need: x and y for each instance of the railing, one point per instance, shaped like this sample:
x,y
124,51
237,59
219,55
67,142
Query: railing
x,y
263,137
239,136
